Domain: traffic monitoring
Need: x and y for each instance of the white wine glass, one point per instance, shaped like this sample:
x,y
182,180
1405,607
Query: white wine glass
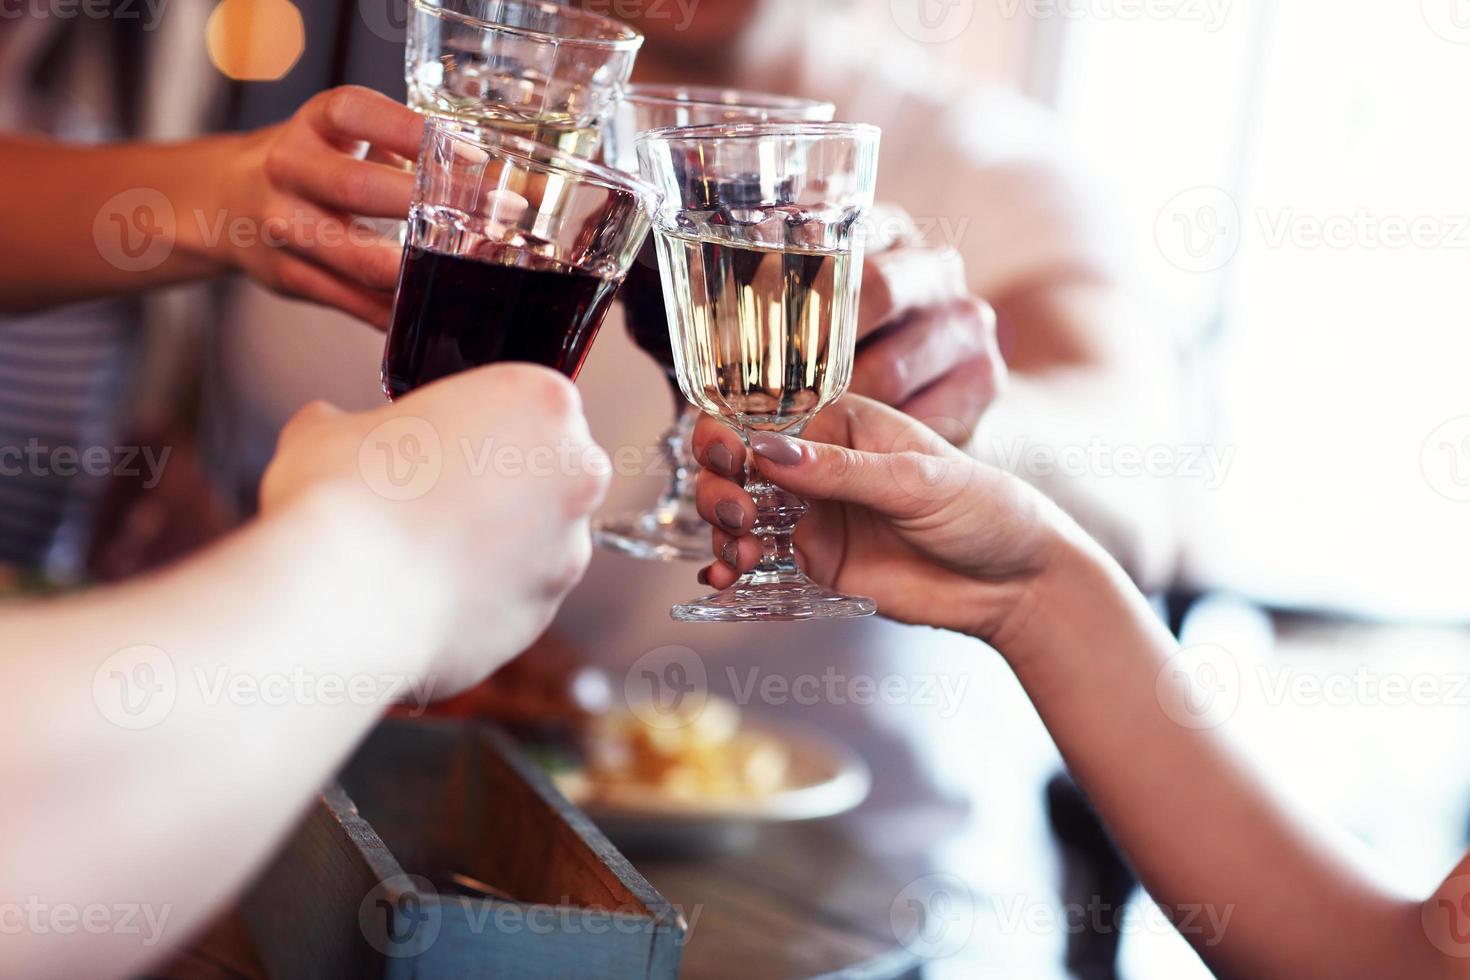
x,y
760,254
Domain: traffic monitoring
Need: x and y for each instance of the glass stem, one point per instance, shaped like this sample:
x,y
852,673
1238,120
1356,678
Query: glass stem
x,y
777,512
674,446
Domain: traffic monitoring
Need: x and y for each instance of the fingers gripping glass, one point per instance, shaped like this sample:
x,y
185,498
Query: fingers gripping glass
x,y
672,529
761,261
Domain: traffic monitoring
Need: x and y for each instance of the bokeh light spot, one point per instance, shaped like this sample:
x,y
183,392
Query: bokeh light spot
x,y
255,40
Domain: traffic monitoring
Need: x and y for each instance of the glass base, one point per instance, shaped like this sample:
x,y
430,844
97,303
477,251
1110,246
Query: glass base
x,y
773,601
655,535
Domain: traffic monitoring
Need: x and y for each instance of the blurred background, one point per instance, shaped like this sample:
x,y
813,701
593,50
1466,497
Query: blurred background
x,y
1287,180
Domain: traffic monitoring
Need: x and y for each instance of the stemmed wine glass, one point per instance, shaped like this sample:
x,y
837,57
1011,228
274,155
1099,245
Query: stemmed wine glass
x,y
672,529
535,68
761,258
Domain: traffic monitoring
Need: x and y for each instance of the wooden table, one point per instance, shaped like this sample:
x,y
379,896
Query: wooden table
x,y
802,902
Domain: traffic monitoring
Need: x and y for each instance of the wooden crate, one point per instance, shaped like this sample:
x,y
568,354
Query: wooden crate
x,y
383,878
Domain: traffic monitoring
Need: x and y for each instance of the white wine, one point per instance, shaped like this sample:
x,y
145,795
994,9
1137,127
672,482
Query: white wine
x,y
763,333
563,133
462,86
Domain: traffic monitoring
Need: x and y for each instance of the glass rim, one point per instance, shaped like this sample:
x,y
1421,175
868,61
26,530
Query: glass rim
x,y
624,37
710,132
718,96
493,141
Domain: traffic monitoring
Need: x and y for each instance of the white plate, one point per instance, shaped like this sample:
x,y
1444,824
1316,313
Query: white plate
x,y
823,778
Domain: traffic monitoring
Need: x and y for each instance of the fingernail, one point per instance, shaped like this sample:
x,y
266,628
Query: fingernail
x,y
730,515
730,555
703,577
779,449
720,459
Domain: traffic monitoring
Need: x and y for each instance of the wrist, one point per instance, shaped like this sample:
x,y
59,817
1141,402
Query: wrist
x,y
354,556
1078,594
212,195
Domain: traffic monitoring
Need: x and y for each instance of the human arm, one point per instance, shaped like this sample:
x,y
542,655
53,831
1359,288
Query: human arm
x,y
166,733
1260,888
277,203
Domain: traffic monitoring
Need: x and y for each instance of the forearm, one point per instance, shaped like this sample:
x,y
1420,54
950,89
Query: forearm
x,y
88,221
272,655
1261,891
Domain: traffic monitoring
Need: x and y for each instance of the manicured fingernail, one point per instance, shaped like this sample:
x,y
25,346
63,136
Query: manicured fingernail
x,y
703,577
730,555
721,460
779,449
730,515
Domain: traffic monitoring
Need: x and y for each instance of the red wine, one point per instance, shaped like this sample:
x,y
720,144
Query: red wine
x,y
643,308
453,313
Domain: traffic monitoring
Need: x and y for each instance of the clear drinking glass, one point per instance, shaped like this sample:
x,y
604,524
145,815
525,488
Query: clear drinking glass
x,y
761,259
672,529
515,250
535,68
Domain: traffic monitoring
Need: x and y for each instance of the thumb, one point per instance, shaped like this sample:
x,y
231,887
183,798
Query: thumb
x,y
901,485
